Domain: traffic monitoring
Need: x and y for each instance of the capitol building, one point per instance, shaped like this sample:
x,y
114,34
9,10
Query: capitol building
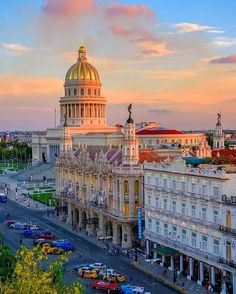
x,y
84,109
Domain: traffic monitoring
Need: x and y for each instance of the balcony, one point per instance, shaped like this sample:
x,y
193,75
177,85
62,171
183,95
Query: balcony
x,y
230,263
229,200
227,230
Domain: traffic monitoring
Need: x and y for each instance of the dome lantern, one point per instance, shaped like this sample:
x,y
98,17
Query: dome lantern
x,y
82,53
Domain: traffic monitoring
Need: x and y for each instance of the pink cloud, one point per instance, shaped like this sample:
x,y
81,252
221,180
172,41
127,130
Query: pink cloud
x,y
67,8
226,59
129,10
120,31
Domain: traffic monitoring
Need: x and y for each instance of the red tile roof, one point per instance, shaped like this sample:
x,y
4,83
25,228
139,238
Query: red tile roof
x,y
158,132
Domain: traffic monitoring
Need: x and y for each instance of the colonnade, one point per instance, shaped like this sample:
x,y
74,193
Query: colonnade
x,y
83,110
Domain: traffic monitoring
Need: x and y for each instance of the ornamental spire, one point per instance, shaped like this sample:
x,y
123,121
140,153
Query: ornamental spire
x,y
82,53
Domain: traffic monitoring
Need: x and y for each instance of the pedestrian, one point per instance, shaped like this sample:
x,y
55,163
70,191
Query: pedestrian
x,y
183,286
174,278
207,287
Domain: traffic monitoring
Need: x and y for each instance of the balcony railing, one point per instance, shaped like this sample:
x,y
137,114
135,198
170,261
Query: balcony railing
x,y
227,230
230,263
230,200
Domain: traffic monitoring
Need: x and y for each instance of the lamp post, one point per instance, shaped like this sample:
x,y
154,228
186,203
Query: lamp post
x,y
153,281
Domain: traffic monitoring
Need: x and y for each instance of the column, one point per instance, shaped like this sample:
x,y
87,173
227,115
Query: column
x,y
79,110
75,110
126,237
163,259
155,253
101,231
201,273
234,282
223,286
121,197
181,263
115,235
147,248
213,281
131,198
172,266
190,268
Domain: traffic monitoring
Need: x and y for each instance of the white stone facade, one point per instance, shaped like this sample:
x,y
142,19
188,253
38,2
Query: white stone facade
x,y
193,211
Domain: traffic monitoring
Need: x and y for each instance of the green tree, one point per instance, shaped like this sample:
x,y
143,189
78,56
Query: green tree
x,y
7,263
209,138
33,275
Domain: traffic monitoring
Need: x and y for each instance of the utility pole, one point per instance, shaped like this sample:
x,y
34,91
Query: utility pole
x,y
55,117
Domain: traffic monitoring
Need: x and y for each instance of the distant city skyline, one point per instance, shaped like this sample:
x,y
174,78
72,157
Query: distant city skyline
x,y
173,60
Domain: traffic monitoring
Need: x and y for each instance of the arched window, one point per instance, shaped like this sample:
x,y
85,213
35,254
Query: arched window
x,y
228,251
228,219
69,92
75,92
98,92
95,92
82,92
136,188
110,184
126,187
89,91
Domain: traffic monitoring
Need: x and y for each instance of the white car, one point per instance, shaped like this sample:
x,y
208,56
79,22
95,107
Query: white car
x,y
153,260
108,271
98,266
33,227
136,289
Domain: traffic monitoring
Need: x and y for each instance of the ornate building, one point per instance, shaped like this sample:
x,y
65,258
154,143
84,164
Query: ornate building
x,y
218,137
190,220
99,188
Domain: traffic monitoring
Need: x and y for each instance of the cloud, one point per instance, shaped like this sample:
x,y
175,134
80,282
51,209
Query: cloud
x,y
66,8
224,42
187,27
160,110
14,85
15,47
151,48
128,10
120,31
216,31
223,60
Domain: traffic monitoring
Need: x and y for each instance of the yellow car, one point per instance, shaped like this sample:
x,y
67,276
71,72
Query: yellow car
x,y
49,249
114,278
88,274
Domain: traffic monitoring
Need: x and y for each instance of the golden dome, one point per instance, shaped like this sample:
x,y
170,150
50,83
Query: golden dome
x,y
82,70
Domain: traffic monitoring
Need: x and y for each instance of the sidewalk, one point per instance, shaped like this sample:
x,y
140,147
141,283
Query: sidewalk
x,y
154,270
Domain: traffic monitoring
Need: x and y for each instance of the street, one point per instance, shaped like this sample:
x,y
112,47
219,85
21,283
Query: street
x,y
89,251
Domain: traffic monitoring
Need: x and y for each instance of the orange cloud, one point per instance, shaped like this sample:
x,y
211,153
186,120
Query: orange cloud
x,y
150,48
66,8
120,31
15,47
129,10
29,86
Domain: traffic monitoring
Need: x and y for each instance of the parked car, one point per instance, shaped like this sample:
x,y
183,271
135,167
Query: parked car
x,y
114,278
47,248
47,235
76,267
100,285
88,274
29,233
98,266
17,226
128,289
40,241
63,244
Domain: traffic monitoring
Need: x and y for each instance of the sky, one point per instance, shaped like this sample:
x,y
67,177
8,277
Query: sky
x,y
175,61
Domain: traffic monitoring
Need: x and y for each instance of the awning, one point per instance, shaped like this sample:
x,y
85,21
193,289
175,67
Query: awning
x,y
166,251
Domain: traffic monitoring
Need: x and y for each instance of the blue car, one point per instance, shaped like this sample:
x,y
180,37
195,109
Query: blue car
x,y
63,244
29,233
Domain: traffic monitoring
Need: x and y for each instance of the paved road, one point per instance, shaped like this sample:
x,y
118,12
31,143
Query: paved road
x,y
90,252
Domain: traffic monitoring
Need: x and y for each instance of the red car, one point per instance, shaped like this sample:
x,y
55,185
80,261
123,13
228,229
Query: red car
x,y
100,285
46,235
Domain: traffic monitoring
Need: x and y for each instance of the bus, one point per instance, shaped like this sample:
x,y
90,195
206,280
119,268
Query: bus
x,y
3,198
